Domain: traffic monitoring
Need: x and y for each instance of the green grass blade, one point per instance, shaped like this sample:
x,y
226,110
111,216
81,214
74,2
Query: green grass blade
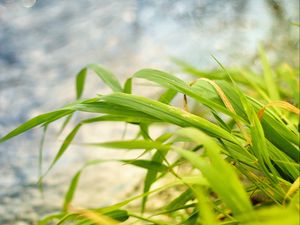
x,y
181,200
268,75
71,190
64,146
119,215
107,77
146,164
131,144
36,121
167,96
167,113
128,86
151,176
80,80
113,109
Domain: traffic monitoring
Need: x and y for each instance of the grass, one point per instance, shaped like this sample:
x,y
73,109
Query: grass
x,y
237,135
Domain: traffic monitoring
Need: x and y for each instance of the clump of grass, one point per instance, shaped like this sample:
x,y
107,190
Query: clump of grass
x,y
242,151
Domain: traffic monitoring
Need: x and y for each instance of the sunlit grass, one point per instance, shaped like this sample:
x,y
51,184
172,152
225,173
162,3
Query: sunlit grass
x,y
242,153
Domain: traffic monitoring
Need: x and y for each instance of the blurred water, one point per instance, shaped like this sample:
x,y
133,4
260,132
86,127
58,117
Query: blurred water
x,y
44,43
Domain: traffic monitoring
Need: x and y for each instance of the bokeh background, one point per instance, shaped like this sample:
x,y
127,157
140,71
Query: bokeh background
x,y
44,43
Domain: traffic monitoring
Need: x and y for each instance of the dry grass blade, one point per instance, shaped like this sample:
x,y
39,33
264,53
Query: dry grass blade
x,y
280,104
228,106
95,218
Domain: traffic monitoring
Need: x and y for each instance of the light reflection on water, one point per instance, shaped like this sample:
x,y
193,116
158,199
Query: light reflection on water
x,y
44,43
28,3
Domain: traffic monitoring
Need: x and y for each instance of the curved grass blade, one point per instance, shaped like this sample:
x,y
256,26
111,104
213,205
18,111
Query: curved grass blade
x,y
172,82
113,109
71,190
80,80
128,86
36,121
281,104
107,77
62,149
167,113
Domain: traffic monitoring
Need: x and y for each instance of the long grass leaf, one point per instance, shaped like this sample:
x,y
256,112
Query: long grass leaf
x,y
36,121
130,144
167,113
